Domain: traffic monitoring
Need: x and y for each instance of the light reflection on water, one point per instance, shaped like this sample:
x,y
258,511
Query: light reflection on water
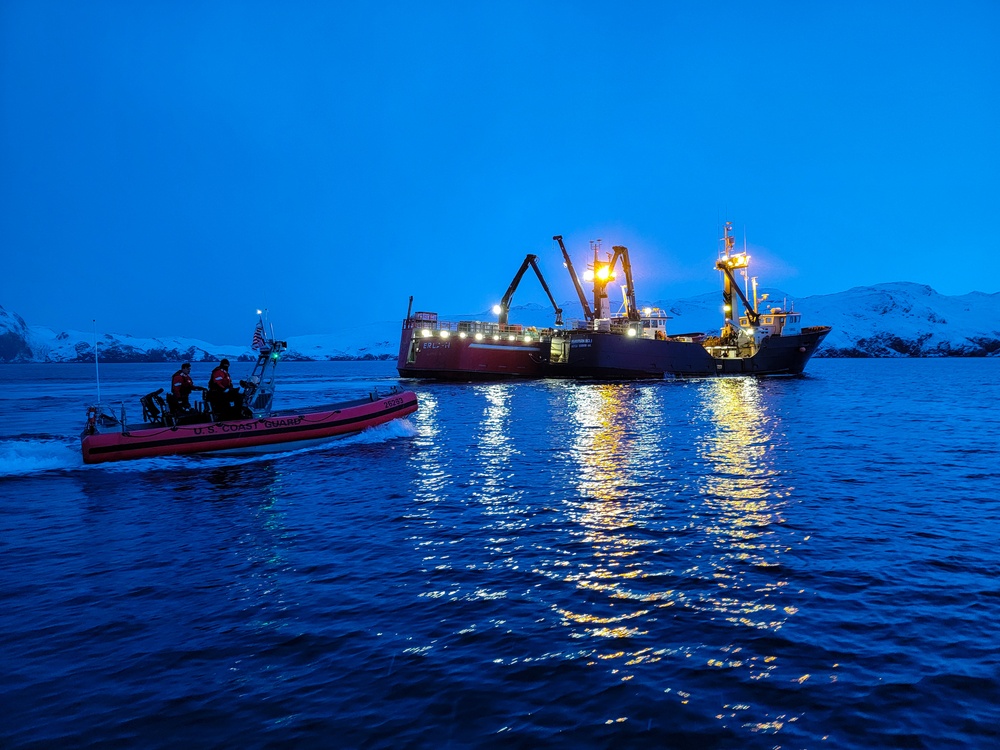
x,y
742,500
655,555
664,521
743,496
602,447
585,564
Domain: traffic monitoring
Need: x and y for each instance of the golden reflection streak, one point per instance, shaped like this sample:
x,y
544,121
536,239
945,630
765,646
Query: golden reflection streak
x,y
742,501
604,449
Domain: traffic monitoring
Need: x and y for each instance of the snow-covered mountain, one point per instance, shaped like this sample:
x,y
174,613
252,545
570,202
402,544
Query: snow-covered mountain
x,y
887,320
899,319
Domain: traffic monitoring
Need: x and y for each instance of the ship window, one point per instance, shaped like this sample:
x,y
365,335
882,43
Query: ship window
x,y
768,319
645,324
794,319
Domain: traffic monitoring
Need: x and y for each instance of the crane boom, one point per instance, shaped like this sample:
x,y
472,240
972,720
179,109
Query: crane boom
x,y
622,252
588,314
529,260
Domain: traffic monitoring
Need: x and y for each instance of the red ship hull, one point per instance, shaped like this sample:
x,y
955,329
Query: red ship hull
x,y
466,358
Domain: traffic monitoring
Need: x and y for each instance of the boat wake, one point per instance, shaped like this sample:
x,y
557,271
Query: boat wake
x,y
397,428
25,455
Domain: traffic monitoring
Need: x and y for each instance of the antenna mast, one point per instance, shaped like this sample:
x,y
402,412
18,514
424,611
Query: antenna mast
x,y
97,367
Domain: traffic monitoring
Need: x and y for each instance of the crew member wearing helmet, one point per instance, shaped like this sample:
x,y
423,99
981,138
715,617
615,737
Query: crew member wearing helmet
x,y
227,401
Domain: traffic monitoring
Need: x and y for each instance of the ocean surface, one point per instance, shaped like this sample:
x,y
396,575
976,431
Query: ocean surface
x,y
741,563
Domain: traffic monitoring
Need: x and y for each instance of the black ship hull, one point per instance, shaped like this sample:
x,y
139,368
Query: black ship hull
x,y
614,356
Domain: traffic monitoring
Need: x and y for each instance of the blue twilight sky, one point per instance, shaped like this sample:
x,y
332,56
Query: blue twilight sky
x,y
168,167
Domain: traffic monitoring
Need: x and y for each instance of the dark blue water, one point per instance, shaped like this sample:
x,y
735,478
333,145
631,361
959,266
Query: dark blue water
x,y
796,563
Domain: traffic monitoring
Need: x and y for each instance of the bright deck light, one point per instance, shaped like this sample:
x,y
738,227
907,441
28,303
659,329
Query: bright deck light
x,y
631,332
426,333
588,275
462,334
479,337
445,334
497,309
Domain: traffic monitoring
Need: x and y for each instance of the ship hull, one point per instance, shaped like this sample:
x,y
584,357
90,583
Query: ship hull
x,y
613,356
279,430
600,355
456,358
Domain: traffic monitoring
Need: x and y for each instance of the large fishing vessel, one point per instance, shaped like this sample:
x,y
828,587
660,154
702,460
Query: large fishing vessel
x,y
167,429
630,344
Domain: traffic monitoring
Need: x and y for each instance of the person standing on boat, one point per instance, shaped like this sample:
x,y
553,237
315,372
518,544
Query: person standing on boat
x,y
181,386
226,401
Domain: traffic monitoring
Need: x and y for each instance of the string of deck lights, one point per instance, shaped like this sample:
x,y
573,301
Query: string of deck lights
x,y
444,333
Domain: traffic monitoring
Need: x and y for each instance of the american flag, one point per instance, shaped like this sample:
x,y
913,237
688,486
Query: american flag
x,y
258,336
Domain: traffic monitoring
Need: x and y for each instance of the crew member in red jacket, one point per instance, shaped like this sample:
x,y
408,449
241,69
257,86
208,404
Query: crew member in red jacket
x,y
226,401
181,386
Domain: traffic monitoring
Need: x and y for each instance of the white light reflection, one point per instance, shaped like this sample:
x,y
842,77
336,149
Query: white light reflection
x,y
743,499
431,476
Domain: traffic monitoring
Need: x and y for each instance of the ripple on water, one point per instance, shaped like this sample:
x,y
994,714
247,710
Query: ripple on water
x,y
722,563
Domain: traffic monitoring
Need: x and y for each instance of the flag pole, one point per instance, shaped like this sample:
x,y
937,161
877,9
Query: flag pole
x,y
97,366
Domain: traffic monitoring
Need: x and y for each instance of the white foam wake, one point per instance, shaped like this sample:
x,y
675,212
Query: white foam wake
x,y
21,457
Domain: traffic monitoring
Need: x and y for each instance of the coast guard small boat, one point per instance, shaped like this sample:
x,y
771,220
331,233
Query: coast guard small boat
x,y
167,431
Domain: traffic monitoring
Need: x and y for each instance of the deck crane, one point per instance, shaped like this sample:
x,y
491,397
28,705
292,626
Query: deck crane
x,y
504,306
622,252
587,312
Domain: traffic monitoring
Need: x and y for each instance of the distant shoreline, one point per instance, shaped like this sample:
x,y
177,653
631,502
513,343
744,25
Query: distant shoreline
x,y
984,353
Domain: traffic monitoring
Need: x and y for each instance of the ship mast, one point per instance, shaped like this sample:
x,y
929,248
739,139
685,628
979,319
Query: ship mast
x,y
729,262
602,272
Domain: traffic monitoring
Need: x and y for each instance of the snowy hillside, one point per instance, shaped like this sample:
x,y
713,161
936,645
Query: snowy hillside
x,y
887,320
904,319
22,343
